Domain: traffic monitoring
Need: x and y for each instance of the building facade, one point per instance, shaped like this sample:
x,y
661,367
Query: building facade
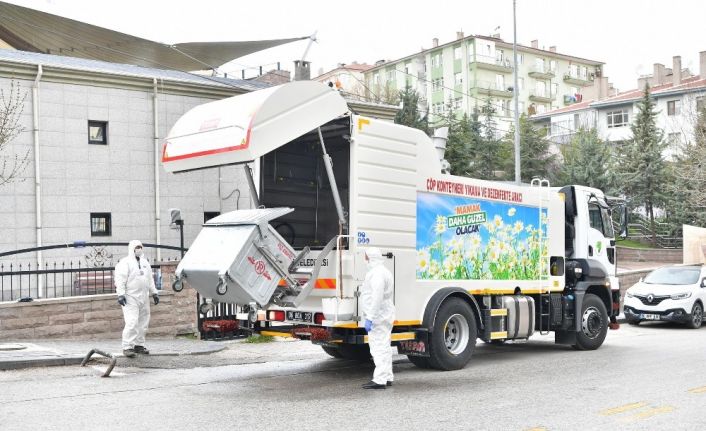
x,y
347,78
467,72
679,96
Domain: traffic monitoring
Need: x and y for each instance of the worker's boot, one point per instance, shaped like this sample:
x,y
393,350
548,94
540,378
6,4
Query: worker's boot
x,y
129,353
372,385
141,350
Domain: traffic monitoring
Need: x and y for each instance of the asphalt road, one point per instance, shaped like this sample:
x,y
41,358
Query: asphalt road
x,y
647,377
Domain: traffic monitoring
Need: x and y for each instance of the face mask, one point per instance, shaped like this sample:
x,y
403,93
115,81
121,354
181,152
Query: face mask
x,y
138,253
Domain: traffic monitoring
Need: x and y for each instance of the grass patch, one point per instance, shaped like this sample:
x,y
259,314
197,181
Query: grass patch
x,y
632,244
188,336
260,339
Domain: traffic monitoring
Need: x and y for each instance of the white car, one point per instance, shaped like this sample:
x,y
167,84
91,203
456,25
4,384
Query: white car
x,y
671,293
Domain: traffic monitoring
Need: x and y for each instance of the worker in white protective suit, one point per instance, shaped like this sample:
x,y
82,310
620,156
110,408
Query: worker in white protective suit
x,y
134,285
379,312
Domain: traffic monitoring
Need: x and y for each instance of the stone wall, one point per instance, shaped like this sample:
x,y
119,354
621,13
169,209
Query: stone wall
x,y
664,255
98,316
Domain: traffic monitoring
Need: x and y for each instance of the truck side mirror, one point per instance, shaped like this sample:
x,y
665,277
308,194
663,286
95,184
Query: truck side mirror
x,y
703,282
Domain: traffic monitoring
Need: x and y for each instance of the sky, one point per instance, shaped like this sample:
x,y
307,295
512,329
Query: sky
x,y
628,35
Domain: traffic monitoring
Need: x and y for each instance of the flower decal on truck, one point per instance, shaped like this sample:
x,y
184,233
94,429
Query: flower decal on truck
x,y
473,239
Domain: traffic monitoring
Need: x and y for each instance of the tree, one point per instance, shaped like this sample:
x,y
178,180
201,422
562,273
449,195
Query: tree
x,y
489,152
11,107
409,114
588,161
643,172
535,158
687,197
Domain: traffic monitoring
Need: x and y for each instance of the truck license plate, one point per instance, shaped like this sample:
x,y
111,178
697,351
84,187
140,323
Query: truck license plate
x,y
651,316
299,316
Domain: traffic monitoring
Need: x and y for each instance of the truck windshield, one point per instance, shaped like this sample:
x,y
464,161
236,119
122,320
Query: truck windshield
x,y
674,275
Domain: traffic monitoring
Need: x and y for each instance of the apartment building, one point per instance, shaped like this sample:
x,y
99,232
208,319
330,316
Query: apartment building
x,y
679,96
468,71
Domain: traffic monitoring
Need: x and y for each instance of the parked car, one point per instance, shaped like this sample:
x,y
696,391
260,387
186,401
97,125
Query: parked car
x,y
674,293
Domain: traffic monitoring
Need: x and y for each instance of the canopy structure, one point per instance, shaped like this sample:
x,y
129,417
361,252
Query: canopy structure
x,y
32,30
243,128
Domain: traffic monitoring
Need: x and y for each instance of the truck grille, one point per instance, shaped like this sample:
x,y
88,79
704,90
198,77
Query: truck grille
x,y
651,299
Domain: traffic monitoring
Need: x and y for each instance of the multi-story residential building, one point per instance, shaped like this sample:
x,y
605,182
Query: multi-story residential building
x,y
678,95
470,70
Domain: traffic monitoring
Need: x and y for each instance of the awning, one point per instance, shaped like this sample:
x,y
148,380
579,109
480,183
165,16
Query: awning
x,y
245,127
32,30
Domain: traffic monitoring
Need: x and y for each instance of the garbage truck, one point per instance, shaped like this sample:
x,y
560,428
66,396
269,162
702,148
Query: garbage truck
x,y
471,259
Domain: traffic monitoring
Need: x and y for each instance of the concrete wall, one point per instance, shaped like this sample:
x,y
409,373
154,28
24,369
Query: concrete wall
x,y
662,256
91,317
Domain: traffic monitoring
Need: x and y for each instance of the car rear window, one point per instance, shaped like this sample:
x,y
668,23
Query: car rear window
x,y
672,275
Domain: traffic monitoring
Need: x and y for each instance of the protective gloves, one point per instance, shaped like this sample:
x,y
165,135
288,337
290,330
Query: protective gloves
x,y
122,300
156,299
368,325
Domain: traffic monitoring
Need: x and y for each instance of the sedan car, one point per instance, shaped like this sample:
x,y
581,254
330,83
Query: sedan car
x,y
672,293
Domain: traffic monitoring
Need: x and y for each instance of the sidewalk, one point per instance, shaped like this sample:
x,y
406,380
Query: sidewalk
x,y
45,353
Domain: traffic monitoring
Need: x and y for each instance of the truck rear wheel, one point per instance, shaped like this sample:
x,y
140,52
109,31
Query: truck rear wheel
x,y
453,337
355,352
334,352
594,324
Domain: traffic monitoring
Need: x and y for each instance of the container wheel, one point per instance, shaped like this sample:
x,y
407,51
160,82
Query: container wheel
x,y
453,337
594,324
334,352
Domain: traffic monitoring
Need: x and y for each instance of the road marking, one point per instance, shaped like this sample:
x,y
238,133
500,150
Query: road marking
x,y
622,409
700,390
649,413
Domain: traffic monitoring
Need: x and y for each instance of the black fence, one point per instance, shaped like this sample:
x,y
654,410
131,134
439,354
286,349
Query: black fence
x,y
90,275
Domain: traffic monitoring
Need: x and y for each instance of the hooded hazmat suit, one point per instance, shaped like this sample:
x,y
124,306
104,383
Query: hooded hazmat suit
x,y
378,307
133,279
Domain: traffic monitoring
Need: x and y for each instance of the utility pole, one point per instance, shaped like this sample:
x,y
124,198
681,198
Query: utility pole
x,y
516,96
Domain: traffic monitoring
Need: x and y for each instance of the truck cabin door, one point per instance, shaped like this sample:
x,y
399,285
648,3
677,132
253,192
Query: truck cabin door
x,y
601,238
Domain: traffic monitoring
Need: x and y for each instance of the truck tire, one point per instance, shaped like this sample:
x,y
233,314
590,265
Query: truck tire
x,y
453,337
333,352
594,324
419,361
697,316
355,352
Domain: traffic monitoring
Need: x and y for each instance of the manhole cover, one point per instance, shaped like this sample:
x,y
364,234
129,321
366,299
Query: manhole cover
x,y
6,347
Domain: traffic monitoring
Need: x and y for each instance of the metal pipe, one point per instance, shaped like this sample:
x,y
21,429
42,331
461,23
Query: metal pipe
x,y
516,96
328,163
251,185
37,172
158,222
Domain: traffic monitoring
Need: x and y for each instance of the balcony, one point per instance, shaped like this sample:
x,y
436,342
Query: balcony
x,y
570,99
541,73
492,63
578,80
541,96
493,89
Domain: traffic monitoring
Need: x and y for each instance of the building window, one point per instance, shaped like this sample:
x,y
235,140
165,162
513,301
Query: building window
x,y
520,58
574,70
552,65
436,60
520,84
208,215
617,118
541,109
457,103
390,75
437,84
700,104
555,88
458,78
584,73
674,107
540,89
100,224
98,132
458,53
539,65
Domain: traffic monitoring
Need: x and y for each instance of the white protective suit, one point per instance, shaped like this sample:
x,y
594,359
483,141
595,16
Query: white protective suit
x,y
133,279
378,306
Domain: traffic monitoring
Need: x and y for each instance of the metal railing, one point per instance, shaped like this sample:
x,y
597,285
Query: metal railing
x,y
90,275
666,237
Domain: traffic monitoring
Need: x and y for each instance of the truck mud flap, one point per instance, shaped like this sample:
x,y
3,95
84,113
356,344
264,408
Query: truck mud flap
x,y
565,337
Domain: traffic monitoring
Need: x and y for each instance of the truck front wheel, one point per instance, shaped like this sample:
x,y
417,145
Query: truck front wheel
x,y
594,324
453,337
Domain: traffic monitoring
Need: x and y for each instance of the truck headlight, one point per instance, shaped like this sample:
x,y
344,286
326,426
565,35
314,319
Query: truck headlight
x,y
681,295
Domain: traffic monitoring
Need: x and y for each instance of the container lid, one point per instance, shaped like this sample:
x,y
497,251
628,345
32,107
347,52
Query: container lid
x,y
248,217
243,128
